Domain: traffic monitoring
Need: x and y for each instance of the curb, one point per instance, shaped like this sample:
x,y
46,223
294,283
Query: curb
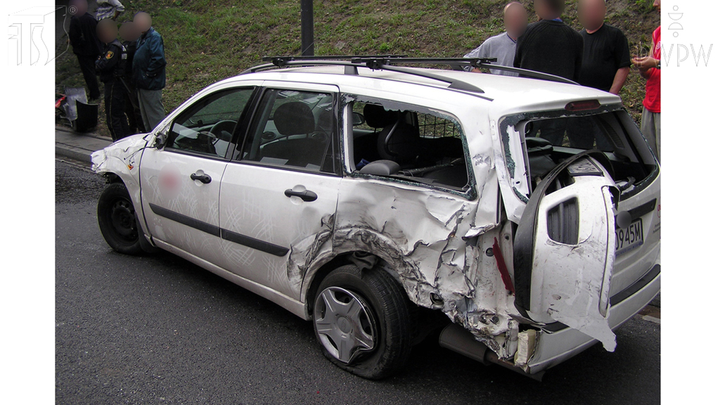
x,y
72,152
78,146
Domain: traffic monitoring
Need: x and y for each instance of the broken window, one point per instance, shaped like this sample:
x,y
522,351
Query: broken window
x,y
411,144
549,141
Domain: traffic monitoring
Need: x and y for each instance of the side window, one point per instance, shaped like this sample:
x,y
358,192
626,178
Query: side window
x,y
293,128
412,143
207,126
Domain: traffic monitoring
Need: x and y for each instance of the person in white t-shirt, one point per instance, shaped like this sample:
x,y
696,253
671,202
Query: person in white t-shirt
x,y
502,46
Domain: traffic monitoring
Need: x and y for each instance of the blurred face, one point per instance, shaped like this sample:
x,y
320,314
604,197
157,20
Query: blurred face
x,y
657,5
107,30
515,19
129,32
142,22
80,7
591,13
544,11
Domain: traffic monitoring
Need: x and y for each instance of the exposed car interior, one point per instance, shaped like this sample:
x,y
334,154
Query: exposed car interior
x,y
551,141
409,145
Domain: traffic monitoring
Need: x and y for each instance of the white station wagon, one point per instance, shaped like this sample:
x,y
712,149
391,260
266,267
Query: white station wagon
x,y
519,214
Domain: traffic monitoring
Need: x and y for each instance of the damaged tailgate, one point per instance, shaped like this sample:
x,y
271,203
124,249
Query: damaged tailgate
x,y
565,248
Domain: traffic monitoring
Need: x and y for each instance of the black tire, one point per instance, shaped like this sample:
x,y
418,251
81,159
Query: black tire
x,y
389,319
117,220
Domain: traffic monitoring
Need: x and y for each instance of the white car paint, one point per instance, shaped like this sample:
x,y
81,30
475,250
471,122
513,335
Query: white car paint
x,y
421,233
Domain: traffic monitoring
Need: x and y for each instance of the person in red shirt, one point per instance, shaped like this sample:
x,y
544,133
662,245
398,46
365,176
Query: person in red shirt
x,y
650,69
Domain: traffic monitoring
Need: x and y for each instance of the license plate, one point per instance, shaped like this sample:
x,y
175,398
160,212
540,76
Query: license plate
x,y
628,238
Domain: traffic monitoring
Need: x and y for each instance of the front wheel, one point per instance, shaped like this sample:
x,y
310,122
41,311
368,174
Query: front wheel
x,y
117,220
363,321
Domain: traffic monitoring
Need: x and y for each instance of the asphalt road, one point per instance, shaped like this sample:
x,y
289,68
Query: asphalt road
x,y
157,329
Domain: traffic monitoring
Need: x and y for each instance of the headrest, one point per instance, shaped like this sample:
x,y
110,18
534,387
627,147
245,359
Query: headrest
x,y
377,117
381,168
294,118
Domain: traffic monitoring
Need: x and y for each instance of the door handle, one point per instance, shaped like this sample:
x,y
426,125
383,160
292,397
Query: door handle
x,y
306,195
202,178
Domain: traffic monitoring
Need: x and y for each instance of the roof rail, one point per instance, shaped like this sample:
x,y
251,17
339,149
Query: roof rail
x,y
389,62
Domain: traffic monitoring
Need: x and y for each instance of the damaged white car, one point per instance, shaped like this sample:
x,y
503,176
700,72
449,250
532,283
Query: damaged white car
x,y
519,214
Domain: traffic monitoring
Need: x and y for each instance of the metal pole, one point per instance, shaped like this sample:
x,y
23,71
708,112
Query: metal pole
x,y
306,17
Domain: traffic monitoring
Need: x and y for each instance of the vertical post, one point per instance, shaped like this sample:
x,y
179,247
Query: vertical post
x,y
306,17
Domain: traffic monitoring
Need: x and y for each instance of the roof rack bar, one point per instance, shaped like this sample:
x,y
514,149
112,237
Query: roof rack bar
x,y
454,83
389,62
448,61
279,60
351,68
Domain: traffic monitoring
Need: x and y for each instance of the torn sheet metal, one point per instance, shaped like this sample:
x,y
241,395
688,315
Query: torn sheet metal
x,y
122,157
570,279
511,172
421,236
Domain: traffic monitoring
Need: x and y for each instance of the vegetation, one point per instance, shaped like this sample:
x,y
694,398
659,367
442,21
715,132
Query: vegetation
x,y
206,41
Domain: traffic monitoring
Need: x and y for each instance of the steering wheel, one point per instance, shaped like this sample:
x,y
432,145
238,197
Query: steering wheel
x,y
223,130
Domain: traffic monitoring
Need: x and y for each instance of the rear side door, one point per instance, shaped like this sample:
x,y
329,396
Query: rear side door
x,y
180,182
280,190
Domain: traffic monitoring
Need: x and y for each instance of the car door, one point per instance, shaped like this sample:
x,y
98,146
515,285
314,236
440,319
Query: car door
x,y
180,182
279,192
564,248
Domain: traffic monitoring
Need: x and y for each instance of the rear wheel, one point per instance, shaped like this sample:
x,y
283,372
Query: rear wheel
x,y
117,220
363,321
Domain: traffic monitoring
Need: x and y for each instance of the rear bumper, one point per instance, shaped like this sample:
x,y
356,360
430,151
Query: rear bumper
x,y
560,344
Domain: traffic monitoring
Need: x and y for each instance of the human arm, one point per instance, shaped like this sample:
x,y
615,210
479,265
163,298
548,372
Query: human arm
x,y
109,59
646,64
619,80
157,55
475,53
621,53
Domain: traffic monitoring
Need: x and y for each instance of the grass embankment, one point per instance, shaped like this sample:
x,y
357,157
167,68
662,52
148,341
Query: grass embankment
x,y
206,41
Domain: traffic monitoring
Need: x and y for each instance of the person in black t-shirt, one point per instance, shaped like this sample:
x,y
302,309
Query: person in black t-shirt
x,y
605,66
550,45
606,56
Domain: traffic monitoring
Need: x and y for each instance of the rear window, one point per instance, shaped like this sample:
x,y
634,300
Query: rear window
x,y
550,140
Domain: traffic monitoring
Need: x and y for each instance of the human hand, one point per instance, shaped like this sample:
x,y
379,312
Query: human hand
x,y
645,63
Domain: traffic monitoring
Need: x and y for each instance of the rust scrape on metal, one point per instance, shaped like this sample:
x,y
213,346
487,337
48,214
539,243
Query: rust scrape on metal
x,y
431,242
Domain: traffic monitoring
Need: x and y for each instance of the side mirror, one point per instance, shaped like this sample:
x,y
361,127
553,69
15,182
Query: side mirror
x,y
358,119
160,139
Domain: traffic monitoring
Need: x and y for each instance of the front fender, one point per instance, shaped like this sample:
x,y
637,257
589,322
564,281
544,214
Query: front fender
x,y
122,158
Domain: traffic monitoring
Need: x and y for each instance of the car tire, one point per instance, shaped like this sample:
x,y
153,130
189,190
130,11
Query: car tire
x,y
363,321
117,220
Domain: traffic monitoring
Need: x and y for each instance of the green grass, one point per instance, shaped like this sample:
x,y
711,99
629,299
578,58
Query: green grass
x,y
206,41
